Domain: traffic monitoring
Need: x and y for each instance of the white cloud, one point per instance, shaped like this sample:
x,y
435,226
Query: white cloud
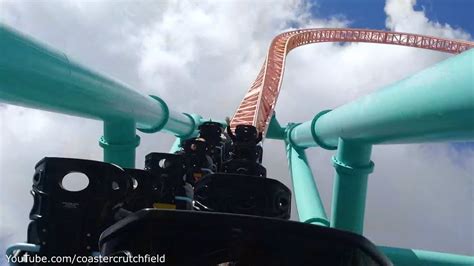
x,y
202,58
402,17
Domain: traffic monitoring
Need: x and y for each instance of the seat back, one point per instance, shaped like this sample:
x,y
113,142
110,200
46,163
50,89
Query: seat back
x,y
68,222
243,194
205,238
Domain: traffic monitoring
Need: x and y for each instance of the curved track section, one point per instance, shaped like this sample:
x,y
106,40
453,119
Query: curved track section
x,y
257,106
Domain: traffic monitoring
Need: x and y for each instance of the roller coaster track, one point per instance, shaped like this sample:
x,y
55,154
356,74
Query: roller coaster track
x,y
257,105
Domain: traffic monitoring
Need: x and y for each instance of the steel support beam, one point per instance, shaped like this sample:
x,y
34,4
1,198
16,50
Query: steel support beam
x,y
274,130
176,145
308,202
416,257
433,105
119,142
36,76
353,165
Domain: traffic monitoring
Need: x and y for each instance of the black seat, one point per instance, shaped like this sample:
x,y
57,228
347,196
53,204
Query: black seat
x,y
171,168
148,189
243,194
68,222
246,133
203,238
211,132
244,167
197,158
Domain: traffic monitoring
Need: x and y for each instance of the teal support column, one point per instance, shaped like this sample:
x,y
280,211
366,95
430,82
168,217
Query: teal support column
x,y
415,257
275,131
176,145
37,76
308,201
119,142
353,165
432,105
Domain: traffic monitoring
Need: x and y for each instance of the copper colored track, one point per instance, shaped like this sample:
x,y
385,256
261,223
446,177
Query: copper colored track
x,y
257,106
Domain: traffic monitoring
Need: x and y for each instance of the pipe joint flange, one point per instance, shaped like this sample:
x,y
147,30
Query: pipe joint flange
x,y
161,125
315,136
193,128
316,220
119,146
288,129
352,170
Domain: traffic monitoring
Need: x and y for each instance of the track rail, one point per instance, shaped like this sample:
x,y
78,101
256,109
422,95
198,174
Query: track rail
x,y
258,104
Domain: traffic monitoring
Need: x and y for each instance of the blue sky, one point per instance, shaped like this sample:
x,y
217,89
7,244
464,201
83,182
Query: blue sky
x,y
370,13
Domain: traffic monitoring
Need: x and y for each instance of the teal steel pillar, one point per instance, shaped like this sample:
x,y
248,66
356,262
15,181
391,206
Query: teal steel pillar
x,y
275,131
119,142
415,257
176,145
36,76
435,104
308,201
353,165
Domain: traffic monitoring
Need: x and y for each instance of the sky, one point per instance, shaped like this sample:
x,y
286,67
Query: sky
x,y
370,13
201,58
